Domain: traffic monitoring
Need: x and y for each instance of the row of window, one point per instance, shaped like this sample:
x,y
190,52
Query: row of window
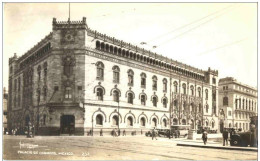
x,y
130,121
242,104
128,54
243,126
242,115
116,78
130,97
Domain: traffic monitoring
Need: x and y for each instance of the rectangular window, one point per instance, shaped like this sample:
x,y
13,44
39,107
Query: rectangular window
x,y
143,83
229,113
68,94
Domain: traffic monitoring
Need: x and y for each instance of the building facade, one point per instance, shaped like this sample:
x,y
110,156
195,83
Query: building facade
x,y
237,103
77,80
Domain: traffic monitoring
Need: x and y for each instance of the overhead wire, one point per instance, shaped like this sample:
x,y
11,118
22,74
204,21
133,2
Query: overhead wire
x,y
185,25
191,29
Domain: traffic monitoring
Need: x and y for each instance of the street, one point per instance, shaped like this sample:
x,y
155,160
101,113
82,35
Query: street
x,y
110,148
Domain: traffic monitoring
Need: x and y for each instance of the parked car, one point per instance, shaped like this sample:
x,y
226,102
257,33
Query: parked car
x,y
166,133
249,138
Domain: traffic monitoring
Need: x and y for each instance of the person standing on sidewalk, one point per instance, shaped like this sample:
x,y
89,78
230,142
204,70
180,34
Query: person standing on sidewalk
x,y
153,134
225,137
101,132
205,137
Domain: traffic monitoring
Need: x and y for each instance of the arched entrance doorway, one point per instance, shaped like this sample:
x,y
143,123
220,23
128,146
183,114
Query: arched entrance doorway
x,y
67,124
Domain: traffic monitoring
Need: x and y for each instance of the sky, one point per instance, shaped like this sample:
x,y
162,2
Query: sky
x,y
222,36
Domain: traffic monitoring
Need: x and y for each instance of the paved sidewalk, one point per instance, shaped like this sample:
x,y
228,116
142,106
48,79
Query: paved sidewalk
x,y
211,144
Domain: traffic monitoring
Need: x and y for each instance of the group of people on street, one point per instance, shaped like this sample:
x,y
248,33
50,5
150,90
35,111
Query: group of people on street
x,y
116,133
225,135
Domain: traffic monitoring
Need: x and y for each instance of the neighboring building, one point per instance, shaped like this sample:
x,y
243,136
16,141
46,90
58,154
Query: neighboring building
x,y
5,98
77,79
237,103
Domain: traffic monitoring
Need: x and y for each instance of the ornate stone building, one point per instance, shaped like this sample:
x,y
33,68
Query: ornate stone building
x,y
237,103
77,79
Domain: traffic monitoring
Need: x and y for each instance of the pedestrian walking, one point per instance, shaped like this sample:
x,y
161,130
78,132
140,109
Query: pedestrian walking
x,y
225,137
115,133
154,134
169,134
118,132
101,132
178,133
204,137
124,133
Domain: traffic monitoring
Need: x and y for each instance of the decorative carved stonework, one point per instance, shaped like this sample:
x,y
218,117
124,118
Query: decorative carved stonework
x,y
68,36
68,63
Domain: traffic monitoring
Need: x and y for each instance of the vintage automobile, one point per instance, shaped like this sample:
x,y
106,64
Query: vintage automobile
x,y
166,133
249,138
183,129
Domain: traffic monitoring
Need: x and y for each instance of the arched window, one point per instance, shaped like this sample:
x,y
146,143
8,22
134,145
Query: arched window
x,y
102,46
164,85
200,108
154,99
225,101
207,108
154,83
129,121
115,120
142,121
115,50
243,103
175,103
99,119
100,71
154,122
183,122
107,47
130,77
249,105
164,122
213,124
130,98
192,90
207,94
164,102
111,49
143,99
143,80
116,96
199,92
246,103
100,94
175,87
174,121
98,45
229,125
184,88
207,123
116,71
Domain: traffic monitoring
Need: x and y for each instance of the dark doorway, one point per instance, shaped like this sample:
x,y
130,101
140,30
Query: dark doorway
x,y
67,124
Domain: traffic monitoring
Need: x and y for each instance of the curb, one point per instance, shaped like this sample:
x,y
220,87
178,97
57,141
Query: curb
x,y
219,147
